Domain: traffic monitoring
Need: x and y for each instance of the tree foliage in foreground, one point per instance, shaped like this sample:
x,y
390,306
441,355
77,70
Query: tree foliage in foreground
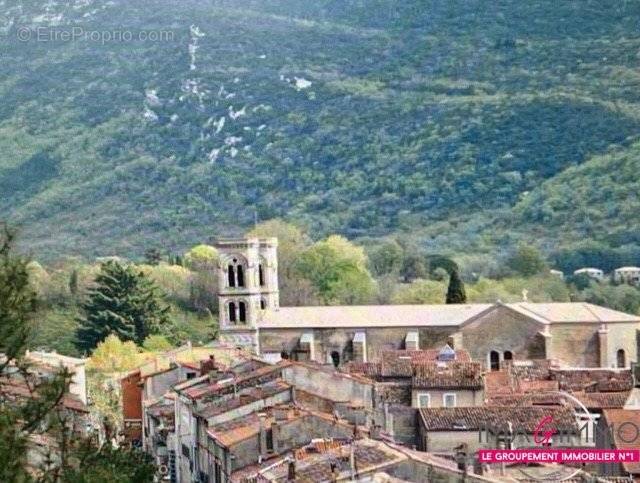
x,y
68,456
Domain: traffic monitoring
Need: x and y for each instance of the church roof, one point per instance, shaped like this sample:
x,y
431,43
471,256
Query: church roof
x,y
372,316
561,312
441,315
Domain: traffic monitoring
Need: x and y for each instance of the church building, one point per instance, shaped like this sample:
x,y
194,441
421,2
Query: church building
x,y
575,334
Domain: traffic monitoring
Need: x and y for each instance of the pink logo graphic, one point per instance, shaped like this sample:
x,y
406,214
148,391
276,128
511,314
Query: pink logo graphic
x,y
544,431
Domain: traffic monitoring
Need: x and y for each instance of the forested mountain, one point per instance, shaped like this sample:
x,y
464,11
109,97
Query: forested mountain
x,y
464,124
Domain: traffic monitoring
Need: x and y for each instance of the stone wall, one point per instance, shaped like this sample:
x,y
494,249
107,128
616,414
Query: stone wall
x,y
503,330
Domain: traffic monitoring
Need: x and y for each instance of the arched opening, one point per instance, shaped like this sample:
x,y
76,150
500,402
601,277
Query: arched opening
x,y
240,271
232,312
621,358
494,360
263,304
335,358
231,273
261,275
507,356
242,312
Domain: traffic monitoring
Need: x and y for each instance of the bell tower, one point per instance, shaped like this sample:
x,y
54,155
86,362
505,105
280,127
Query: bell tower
x,y
247,286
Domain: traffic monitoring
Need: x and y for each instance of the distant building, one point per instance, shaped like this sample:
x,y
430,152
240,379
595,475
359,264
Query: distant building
x,y
630,275
75,366
251,317
594,273
557,273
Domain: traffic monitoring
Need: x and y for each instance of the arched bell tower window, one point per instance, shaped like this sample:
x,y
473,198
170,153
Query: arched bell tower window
x,y
235,273
242,312
232,312
261,275
231,272
263,304
621,358
240,274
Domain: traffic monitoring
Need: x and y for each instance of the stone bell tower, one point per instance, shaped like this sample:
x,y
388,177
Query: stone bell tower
x,y
248,285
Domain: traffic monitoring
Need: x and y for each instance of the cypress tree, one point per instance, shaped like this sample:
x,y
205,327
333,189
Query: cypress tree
x,y
456,293
122,302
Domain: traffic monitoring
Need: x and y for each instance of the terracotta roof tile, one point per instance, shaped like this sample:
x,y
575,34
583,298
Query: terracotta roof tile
x,y
625,436
461,375
495,417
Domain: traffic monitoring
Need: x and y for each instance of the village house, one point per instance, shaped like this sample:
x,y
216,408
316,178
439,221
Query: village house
x,y
576,334
630,275
594,273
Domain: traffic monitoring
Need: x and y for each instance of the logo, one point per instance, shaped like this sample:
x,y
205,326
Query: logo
x,y
552,451
544,431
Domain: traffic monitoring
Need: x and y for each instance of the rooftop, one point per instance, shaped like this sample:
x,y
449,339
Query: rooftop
x,y
625,436
330,461
441,315
498,418
458,375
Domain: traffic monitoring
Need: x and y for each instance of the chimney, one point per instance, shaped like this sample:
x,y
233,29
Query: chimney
x,y
208,365
291,472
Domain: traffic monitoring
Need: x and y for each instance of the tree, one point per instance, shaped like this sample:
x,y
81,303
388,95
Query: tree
x,y
338,270
114,355
527,260
152,256
456,293
201,257
157,343
413,267
123,302
73,282
386,258
420,292
17,300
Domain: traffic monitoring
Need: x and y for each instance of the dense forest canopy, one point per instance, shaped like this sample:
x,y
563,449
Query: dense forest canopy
x,y
464,125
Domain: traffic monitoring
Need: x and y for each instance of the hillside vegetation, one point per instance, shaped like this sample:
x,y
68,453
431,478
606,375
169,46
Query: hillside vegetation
x,y
464,125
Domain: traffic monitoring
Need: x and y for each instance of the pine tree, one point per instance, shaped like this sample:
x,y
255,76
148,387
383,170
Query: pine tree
x,y
456,293
122,302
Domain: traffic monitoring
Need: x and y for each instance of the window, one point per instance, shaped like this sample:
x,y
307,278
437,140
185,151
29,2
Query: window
x,y
621,358
449,400
235,273
424,400
263,304
494,361
231,273
261,275
240,271
242,312
232,312
191,375
507,356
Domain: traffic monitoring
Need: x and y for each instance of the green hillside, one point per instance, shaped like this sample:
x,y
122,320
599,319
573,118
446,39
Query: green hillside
x,y
464,124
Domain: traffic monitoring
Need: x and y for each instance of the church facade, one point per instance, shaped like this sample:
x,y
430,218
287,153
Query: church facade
x,y
574,334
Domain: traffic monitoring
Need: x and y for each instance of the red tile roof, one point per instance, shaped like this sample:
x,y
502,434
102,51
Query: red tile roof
x,y
495,418
459,375
625,436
